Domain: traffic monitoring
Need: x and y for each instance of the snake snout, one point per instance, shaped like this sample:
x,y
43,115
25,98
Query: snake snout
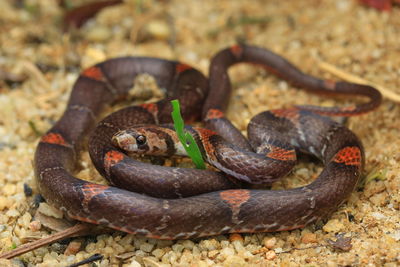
x,y
125,141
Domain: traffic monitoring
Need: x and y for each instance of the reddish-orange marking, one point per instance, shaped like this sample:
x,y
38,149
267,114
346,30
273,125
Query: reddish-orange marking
x,y
90,191
83,219
331,85
349,109
281,154
111,158
181,67
350,155
291,114
54,138
235,198
150,107
94,73
214,114
236,50
205,135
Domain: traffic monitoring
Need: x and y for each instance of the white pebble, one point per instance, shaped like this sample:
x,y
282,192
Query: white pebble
x,y
146,247
177,248
225,252
158,253
188,244
134,264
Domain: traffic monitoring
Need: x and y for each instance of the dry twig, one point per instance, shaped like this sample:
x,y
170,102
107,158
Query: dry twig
x,y
389,94
69,232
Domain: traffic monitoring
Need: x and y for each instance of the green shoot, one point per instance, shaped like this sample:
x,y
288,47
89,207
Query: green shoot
x,y
186,138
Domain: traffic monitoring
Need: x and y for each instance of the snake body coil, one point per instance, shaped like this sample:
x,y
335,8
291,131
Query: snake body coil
x,y
206,203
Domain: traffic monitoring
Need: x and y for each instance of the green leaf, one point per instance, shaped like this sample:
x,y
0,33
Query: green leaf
x,y
186,138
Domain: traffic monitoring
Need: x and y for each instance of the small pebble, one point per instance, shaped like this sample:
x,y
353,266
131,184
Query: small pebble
x,y
98,34
4,203
25,219
234,261
158,29
48,210
177,247
333,226
73,248
210,244
13,213
158,253
9,189
224,243
269,242
308,238
35,225
188,244
225,252
213,253
270,255
234,237
146,247
134,263
238,245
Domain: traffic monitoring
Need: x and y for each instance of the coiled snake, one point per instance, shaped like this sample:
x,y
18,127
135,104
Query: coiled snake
x,y
199,202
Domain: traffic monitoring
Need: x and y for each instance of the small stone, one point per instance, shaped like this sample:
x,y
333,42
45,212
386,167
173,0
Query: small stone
x,y
4,262
226,252
25,220
9,189
72,248
247,255
234,237
234,261
146,247
224,243
134,263
177,248
158,253
209,244
151,262
91,247
4,203
379,199
158,29
333,226
188,244
108,251
98,34
35,226
238,245
13,213
169,257
45,209
309,238
269,242
213,253
270,255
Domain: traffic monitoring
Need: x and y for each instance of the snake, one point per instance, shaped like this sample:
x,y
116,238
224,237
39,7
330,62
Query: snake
x,y
179,203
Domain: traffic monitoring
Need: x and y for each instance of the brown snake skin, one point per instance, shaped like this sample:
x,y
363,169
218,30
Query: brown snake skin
x,y
197,202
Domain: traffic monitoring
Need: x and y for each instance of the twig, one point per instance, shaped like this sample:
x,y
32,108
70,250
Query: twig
x,y
94,257
74,230
355,79
33,71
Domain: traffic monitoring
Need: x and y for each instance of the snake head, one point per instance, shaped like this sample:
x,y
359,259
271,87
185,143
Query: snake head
x,y
131,140
146,140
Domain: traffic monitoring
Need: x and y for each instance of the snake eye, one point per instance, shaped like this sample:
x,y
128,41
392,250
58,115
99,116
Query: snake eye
x,y
140,140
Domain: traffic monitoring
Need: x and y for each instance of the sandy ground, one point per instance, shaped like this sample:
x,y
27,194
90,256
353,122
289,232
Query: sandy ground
x,y
45,63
